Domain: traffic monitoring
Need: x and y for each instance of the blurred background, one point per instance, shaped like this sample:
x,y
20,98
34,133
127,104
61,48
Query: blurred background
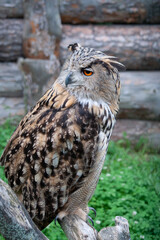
x,y
34,35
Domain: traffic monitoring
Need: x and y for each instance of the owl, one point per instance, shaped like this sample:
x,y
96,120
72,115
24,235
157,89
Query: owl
x,y
55,156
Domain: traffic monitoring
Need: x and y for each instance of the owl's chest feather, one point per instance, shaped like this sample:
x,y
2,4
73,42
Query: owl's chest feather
x,y
101,114
100,119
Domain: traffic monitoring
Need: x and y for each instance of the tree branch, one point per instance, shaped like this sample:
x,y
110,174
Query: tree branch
x,y
76,229
15,223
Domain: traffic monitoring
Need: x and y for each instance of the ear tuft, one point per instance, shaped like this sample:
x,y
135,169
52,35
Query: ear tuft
x,y
73,47
113,63
118,65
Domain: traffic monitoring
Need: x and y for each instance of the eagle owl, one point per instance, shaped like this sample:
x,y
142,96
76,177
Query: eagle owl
x,y
54,158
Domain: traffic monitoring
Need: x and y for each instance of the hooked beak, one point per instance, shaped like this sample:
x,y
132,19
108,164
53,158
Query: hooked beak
x,y
68,79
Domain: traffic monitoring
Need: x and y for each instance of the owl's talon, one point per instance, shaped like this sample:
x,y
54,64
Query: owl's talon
x,y
92,209
55,220
91,220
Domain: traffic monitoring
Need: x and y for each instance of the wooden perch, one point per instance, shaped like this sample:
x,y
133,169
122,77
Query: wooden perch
x,y
15,223
76,229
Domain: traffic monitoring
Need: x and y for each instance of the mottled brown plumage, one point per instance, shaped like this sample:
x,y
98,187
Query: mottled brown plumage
x,y
55,156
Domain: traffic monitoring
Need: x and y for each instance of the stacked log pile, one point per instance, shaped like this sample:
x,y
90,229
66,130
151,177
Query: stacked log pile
x,y
127,29
29,34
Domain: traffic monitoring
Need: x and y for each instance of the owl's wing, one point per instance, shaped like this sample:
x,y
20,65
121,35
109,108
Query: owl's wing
x,y
51,153
54,100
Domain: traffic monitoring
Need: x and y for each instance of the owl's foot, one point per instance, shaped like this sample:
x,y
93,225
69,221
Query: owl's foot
x,y
78,211
84,216
60,216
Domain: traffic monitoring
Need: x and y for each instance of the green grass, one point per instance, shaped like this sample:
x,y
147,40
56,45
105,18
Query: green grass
x,y
6,131
129,186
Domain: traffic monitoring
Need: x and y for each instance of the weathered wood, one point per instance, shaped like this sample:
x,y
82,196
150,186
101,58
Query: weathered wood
x,y
53,18
76,229
11,8
11,84
104,11
137,47
42,27
140,95
119,232
11,107
10,39
136,129
15,222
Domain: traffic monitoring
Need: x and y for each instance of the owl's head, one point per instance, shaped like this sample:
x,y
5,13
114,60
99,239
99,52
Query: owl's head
x,y
91,75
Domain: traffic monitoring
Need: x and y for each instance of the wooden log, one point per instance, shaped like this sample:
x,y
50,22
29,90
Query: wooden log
x,y
11,83
80,11
15,223
103,11
10,39
11,9
42,28
140,95
137,47
136,130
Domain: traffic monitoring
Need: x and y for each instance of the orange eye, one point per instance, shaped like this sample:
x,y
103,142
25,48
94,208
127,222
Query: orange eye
x,y
87,73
